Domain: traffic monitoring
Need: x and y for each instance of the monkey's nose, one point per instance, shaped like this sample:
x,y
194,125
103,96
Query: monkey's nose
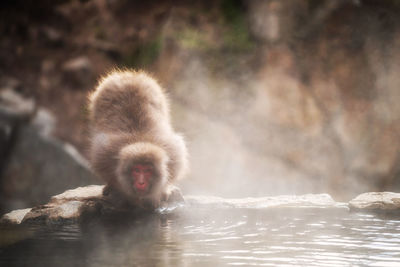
x,y
141,187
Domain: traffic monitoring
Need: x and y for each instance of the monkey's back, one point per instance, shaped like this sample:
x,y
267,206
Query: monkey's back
x,y
129,110
128,102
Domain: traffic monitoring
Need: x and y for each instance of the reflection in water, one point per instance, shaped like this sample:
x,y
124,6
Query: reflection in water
x,y
212,238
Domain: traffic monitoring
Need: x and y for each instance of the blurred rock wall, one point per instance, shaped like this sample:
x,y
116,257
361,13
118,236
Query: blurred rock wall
x,y
33,164
313,109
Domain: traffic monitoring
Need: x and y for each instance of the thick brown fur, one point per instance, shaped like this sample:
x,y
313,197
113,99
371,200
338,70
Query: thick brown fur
x,y
130,123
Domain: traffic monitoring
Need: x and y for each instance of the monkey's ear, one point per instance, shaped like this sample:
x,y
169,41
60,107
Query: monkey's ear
x,y
142,152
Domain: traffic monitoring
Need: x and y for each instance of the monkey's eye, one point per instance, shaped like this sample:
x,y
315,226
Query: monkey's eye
x,y
147,172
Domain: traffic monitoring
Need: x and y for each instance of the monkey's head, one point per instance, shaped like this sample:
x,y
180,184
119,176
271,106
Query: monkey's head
x,y
142,170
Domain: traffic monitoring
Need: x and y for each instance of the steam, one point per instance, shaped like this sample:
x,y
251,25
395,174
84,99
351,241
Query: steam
x,y
263,129
232,154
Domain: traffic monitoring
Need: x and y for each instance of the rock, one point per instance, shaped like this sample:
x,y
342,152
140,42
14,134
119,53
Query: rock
x,y
14,107
88,202
72,206
14,217
33,164
376,201
68,211
78,71
44,122
38,167
285,201
69,206
14,111
80,193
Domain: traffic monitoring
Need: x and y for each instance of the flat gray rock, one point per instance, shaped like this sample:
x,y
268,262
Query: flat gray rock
x,y
38,167
284,201
80,193
384,201
15,217
15,107
88,202
34,165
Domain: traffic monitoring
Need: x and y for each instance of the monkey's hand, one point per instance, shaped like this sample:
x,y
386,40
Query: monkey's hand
x,y
172,194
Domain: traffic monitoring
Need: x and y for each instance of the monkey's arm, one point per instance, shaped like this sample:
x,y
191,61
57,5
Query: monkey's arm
x,y
178,164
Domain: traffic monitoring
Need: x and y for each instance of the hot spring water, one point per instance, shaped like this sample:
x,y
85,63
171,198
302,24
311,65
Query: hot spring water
x,y
206,237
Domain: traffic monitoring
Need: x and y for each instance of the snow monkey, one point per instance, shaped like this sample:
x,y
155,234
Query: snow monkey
x,y
134,148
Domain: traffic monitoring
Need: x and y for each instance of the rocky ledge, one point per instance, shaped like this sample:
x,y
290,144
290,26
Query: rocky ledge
x,y
387,202
88,202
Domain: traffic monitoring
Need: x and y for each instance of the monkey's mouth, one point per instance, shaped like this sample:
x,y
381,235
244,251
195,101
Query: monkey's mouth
x,y
141,188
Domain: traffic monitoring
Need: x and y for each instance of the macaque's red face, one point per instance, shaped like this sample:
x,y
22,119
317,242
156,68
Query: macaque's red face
x,y
142,175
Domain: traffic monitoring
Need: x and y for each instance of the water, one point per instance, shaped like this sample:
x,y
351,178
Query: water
x,y
201,237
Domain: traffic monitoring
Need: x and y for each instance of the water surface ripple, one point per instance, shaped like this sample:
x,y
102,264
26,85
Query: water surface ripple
x,y
237,237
